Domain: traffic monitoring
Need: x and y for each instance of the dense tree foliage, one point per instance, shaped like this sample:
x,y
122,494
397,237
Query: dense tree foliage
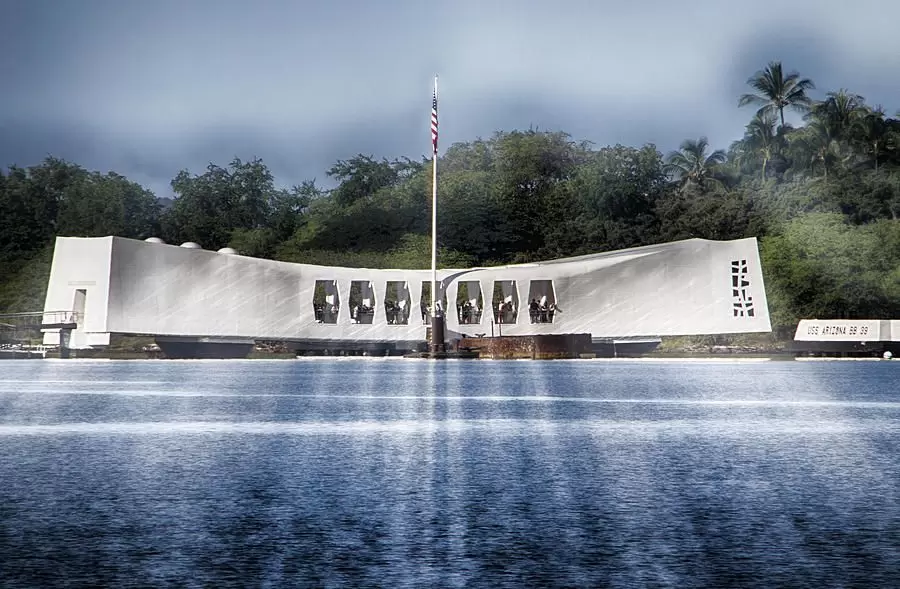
x,y
824,199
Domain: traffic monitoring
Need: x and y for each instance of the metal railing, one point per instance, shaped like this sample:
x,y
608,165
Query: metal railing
x,y
37,319
16,346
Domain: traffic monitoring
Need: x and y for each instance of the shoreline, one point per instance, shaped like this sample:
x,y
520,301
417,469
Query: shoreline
x,y
686,348
654,357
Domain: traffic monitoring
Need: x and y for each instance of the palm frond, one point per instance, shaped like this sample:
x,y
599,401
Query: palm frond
x,y
717,157
751,99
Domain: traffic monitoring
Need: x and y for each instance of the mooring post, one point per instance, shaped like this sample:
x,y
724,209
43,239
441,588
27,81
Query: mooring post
x,y
437,333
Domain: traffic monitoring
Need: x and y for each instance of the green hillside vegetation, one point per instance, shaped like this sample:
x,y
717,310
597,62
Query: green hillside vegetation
x,y
824,199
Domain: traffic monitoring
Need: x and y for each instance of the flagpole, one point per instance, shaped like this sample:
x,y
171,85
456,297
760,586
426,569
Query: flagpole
x,y
437,319
434,221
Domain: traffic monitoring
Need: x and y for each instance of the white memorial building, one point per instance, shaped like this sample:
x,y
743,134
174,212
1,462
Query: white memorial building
x,y
191,299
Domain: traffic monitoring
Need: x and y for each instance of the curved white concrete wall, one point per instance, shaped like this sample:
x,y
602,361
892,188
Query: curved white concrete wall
x,y
134,287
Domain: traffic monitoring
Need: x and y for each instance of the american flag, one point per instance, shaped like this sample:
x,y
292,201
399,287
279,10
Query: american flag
x,y
434,121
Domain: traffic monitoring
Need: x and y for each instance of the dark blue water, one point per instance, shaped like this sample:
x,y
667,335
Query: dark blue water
x,y
402,473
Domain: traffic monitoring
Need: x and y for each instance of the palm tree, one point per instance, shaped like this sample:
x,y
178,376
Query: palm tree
x,y
761,141
814,146
840,111
874,133
825,141
692,165
775,92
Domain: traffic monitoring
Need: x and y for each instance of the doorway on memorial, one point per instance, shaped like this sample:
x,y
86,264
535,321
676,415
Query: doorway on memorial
x,y
469,302
326,301
505,302
396,303
425,301
541,301
362,302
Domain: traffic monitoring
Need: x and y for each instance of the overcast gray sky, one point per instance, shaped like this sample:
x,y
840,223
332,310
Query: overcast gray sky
x,y
146,88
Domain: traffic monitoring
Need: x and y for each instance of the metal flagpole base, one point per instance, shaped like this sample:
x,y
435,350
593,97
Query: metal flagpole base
x,y
437,335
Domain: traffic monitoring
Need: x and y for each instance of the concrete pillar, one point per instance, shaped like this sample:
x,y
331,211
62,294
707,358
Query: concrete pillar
x,y
65,336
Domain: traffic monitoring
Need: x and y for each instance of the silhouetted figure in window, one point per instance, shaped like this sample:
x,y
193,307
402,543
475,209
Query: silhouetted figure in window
x,y
467,311
534,310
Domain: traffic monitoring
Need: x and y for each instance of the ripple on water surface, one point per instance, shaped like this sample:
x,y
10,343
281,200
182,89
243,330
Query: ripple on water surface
x,y
394,473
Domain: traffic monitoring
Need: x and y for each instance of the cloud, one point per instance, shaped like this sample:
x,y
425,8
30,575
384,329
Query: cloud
x,y
147,89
